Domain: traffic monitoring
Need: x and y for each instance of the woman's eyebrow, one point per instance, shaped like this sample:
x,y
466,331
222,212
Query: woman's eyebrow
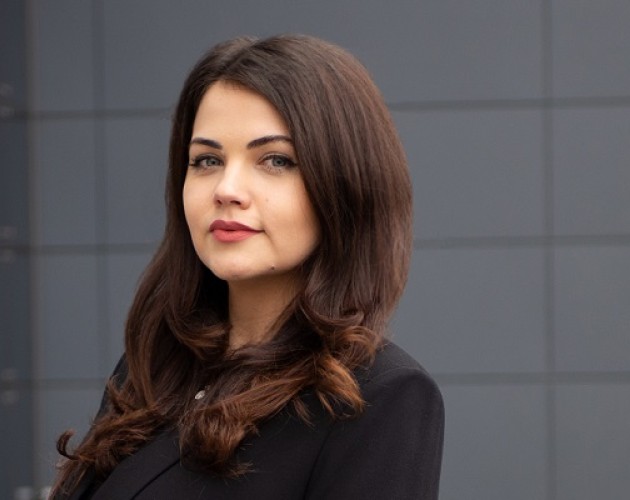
x,y
255,143
261,141
206,142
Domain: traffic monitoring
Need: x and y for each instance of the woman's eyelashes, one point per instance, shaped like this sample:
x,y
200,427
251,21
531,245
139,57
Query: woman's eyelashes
x,y
205,161
278,162
271,162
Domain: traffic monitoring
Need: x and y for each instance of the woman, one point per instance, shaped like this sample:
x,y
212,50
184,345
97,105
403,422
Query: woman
x,y
256,364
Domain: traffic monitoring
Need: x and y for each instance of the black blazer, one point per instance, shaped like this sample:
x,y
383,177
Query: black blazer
x,y
392,451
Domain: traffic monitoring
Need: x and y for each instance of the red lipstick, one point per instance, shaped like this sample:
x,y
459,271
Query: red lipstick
x,y
230,231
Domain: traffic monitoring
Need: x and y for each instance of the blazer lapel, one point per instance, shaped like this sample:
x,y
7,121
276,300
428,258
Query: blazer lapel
x,y
135,472
83,485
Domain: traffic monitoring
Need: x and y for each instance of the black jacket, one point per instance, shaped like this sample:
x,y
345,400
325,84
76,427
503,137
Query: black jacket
x,y
392,451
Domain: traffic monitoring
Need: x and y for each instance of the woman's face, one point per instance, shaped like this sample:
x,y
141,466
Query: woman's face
x,y
244,198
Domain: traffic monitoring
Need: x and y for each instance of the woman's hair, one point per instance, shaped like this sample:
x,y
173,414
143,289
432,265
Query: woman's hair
x,y
176,337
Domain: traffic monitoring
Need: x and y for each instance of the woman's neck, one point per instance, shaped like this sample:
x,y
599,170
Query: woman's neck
x,y
254,307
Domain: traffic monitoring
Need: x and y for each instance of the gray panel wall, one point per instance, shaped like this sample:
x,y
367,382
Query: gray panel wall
x,y
516,119
16,385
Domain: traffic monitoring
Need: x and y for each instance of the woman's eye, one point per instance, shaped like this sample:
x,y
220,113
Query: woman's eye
x,y
205,161
279,161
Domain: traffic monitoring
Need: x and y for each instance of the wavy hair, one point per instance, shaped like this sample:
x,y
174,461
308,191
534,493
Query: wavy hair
x,y
176,338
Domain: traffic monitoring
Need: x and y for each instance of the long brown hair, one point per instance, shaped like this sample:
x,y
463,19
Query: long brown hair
x,y
176,337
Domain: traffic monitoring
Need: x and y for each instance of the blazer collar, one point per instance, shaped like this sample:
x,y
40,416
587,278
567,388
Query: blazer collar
x,y
132,474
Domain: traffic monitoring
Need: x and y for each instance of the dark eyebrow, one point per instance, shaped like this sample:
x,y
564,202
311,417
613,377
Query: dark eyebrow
x,y
256,143
206,142
262,141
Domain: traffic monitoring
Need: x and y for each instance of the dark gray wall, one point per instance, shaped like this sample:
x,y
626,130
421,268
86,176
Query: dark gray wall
x,y
516,119
16,386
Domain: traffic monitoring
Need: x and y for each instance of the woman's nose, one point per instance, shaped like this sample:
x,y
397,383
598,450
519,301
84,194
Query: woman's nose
x,y
231,187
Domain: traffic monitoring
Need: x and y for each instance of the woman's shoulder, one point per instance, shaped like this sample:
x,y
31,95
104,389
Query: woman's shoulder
x,y
393,449
392,362
394,371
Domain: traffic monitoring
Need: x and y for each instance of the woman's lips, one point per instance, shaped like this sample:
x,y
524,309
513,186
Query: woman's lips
x,y
230,231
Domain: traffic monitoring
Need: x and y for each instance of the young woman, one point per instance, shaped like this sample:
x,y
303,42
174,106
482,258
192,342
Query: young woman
x,y
256,362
